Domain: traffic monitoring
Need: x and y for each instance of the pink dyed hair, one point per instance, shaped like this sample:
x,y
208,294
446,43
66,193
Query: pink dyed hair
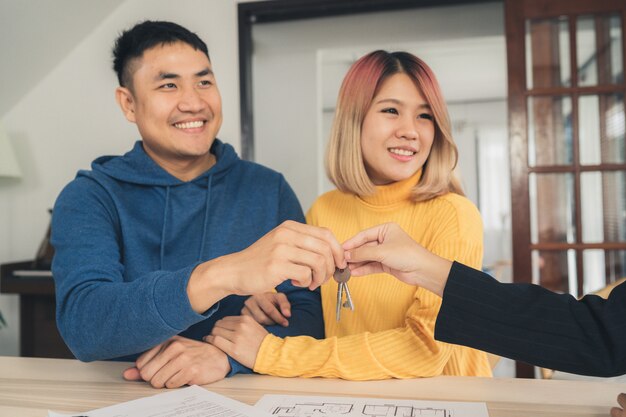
x,y
344,160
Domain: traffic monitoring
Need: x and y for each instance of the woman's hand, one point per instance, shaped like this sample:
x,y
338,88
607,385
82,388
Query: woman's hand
x,y
268,308
240,337
388,248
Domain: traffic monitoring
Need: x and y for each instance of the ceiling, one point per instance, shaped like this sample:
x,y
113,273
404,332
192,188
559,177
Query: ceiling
x,y
36,35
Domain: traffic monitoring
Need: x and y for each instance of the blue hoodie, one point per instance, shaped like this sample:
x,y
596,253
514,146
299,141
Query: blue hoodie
x,y
127,236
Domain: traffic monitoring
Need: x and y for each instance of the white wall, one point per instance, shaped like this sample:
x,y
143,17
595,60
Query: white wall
x,y
70,117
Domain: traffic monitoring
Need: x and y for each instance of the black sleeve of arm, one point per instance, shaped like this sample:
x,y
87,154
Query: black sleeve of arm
x,y
532,324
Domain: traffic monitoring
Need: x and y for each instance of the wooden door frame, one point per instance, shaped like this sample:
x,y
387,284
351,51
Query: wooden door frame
x,y
518,126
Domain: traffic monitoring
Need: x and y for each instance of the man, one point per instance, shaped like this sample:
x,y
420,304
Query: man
x,y
519,321
154,246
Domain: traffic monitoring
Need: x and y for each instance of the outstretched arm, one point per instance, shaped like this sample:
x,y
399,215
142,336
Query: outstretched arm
x,y
530,323
519,321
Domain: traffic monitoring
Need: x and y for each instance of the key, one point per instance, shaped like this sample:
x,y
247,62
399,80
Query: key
x,y
348,303
339,293
342,276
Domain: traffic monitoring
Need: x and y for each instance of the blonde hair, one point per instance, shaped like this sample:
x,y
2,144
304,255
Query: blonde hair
x,y
344,159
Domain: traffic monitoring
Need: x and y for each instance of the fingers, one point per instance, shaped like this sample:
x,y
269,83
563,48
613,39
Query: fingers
x,y
283,304
179,379
365,253
132,374
617,411
238,336
269,308
300,275
257,314
327,238
304,266
366,236
221,343
171,374
365,268
223,335
321,267
149,369
230,326
305,254
147,356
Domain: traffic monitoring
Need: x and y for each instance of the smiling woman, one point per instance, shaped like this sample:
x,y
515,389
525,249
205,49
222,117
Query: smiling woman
x,y
391,156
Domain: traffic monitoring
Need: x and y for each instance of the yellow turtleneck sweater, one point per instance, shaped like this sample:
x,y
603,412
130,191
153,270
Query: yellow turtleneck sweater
x,y
391,332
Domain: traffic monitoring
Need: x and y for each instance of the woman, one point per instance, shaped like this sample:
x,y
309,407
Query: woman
x,y
391,156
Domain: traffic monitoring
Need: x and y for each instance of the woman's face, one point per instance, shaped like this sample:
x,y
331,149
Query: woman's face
x,y
398,131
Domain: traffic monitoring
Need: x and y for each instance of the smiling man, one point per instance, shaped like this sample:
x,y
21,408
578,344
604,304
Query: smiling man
x,y
154,246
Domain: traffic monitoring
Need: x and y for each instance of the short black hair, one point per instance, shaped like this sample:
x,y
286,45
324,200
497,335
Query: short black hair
x,y
132,43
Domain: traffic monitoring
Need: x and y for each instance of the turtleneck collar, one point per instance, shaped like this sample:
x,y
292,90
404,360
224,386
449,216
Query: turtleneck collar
x,y
393,193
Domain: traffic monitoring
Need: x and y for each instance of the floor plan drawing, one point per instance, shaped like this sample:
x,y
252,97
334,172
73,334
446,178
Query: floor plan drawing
x,y
304,406
325,409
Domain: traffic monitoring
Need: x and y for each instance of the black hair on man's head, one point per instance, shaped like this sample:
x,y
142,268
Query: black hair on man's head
x,y
132,43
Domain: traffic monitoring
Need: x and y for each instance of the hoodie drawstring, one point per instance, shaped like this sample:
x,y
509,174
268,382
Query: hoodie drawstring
x,y
167,203
206,216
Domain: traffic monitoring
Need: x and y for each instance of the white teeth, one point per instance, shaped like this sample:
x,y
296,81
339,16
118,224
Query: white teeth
x,y
189,125
402,152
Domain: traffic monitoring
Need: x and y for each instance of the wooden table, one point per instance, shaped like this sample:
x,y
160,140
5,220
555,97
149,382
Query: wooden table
x,y
31,386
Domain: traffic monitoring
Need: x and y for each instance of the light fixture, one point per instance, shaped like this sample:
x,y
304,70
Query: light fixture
x,y
9,167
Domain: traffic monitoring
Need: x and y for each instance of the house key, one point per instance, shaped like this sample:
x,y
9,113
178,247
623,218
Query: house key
x,y
342,276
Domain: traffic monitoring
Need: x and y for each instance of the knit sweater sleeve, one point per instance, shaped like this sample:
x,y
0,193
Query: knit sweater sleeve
x,y
404,352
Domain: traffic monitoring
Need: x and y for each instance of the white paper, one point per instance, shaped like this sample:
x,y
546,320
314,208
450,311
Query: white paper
x,y
299,406
193,401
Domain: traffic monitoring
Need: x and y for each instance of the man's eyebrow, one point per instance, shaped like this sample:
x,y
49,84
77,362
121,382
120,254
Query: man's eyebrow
x,y
166,76
170,75
204,72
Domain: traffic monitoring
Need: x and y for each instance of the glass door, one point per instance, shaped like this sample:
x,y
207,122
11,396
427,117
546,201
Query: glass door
x,y
568,159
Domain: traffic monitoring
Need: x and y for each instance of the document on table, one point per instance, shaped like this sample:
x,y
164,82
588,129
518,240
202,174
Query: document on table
x,y
304,406
193,401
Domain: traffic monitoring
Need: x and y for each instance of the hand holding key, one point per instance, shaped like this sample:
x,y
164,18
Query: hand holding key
x,y
342,276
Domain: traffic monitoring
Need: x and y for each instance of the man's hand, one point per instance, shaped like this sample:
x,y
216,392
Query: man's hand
x,y
305,254
388,248
268,308
619,411
240,337
179,361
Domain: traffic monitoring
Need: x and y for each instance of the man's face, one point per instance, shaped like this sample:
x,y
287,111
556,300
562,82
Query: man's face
x,y
175,102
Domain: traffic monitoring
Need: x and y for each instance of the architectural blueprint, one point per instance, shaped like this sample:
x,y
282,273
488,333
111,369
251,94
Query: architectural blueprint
x,y
305,406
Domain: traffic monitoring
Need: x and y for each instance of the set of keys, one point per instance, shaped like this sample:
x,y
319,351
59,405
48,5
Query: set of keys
x,y
342,276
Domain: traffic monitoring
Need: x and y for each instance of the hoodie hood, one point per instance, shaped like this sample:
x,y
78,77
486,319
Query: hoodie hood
x,y
137,167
